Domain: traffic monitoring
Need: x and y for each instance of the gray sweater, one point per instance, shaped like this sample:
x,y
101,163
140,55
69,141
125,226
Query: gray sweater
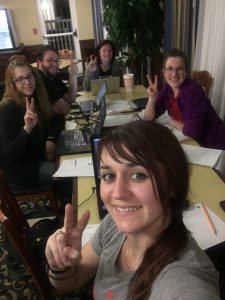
x,y
191,276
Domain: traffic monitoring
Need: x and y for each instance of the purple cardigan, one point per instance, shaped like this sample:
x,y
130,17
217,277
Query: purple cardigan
x,y
200,118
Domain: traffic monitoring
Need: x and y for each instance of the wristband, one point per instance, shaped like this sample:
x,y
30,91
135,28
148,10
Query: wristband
x,y
50,139
52,273
48,268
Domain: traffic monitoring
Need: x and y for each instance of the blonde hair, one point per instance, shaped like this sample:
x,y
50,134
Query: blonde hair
x,y
42,104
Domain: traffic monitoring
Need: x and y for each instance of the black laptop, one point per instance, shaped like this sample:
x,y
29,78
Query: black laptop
x,y
138,104
78,140
95,139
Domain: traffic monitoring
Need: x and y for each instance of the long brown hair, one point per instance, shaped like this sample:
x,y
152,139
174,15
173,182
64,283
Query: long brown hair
x,y
154,147
42,104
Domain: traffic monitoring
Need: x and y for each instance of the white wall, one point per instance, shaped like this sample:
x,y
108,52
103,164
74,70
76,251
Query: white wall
x,y
25,17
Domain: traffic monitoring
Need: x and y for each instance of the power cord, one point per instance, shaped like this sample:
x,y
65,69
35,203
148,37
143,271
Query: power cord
x,y
93,191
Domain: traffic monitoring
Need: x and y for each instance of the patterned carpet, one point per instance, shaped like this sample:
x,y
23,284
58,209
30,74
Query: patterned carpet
x,y
16,283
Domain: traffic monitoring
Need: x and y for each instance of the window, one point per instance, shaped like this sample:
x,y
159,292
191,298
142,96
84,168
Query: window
x,y
8,39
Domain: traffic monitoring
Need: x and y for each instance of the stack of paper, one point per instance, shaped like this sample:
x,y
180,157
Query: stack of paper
x,y
202,156
164,120
75,168
196,222
118,106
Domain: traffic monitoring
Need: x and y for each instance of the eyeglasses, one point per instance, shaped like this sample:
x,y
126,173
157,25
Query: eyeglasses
x,y
21,79
170,70
52,61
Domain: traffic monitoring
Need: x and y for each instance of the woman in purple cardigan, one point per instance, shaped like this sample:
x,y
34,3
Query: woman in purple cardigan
x,y
186,102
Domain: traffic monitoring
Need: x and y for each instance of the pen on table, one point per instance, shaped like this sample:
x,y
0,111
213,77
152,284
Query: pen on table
x,y
208,218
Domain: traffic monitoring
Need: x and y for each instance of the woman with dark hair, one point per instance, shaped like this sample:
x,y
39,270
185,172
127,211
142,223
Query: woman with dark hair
x,y
142,249
185,100
101,64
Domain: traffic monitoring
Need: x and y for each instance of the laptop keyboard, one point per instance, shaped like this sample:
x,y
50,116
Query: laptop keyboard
x,y
74,141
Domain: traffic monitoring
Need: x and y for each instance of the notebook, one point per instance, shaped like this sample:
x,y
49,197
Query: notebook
x,y
113,84
95,140
89,106
78,140
138,104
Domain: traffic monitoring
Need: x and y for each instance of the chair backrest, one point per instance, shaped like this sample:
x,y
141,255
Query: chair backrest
x,y
10,206
18,240
203,78
17,57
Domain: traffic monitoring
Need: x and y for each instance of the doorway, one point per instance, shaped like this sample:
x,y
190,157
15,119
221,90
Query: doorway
x,y
56,24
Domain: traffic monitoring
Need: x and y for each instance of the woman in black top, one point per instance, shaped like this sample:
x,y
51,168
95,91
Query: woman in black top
x,y
27,133
101,64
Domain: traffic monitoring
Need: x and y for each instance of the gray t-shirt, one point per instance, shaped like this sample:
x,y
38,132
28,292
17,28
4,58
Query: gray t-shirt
x,y
191,276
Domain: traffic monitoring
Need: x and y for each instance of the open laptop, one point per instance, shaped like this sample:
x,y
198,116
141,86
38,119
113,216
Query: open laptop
x,y
78,140
113,84
89,106
95,140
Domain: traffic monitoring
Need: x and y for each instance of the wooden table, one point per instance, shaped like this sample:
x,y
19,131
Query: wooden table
x,y
139,91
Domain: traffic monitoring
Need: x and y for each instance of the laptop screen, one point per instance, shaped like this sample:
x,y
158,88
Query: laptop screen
x,y
101,93
113,84
102,111
95,140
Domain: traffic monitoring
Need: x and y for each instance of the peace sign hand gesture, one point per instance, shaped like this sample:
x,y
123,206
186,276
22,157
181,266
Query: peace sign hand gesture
x,y
63,248
30,117
152,89
92,63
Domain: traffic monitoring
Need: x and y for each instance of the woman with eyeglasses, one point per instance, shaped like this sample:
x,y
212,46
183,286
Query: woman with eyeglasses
x,y
26,154
185,101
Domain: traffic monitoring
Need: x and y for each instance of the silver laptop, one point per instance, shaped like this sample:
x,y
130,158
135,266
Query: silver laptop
x,y
88,106
113,84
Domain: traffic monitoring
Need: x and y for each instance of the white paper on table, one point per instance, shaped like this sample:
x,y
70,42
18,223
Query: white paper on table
x,y
164,120
178,133
70,125
117,106
197,224
119,119
202,156
88,233
75,167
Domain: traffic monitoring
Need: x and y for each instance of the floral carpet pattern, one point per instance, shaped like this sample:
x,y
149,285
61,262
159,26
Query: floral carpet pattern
x,y
16,283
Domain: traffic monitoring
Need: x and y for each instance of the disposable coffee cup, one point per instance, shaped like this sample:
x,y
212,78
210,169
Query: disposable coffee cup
x,y
128,82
